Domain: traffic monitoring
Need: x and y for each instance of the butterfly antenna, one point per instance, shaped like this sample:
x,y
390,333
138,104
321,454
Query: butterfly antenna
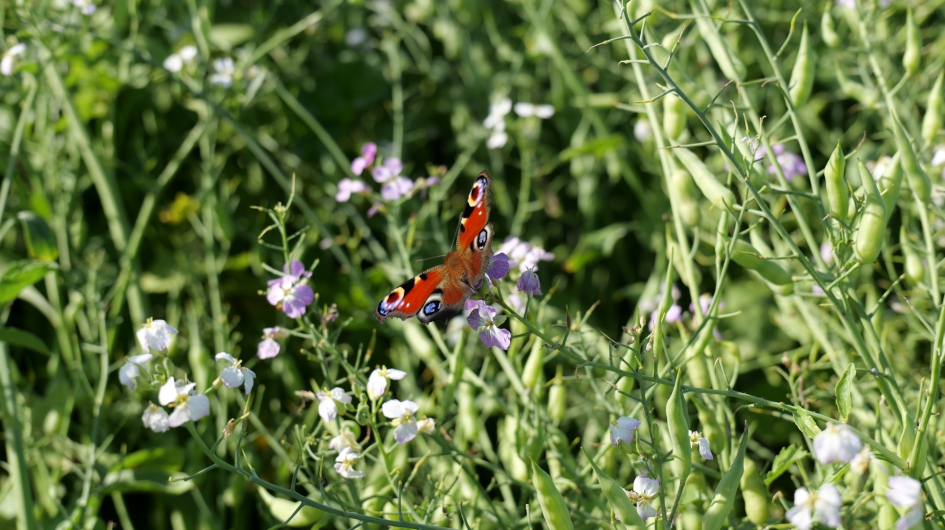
x,y
431,257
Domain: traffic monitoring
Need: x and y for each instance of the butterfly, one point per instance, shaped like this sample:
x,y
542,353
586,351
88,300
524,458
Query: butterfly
x,y
440,293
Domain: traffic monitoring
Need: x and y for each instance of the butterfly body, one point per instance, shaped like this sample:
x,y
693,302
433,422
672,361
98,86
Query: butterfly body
x,y
440,292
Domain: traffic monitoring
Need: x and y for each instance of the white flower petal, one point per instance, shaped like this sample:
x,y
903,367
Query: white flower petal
x,y
127,374
327,409
225,356
168,392
393,409
248,377
396,375
155,418
405,432
376,385
232,376
180,416
198,406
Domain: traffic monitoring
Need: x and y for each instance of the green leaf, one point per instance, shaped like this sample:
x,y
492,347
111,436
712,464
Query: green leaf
x,y
164,459
785,459
24,339
844,391
20,275
805,423
597,147
227,36
40,240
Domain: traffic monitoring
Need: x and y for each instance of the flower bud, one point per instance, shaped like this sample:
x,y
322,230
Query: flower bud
x,y
713,190
932,120
677,419
625,511
838,195
827,30
802,76
890,182
720,507
913,55
872,225
915,271
755,494
674,115
553,508
915,175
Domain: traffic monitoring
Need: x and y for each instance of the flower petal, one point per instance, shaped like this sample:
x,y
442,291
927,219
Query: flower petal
x,y
405,432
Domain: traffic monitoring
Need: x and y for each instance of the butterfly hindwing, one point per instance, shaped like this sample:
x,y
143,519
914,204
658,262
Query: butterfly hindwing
x,y
475,216
409,298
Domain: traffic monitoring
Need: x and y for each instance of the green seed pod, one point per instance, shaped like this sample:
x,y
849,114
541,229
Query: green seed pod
x,y
827,30
720,507
913,55
932,121
755,495
677,419
532,372
872,227
715,192
750,258
918,179
674,115
728,61
468,418
282,509
802,76
914,270
890,183
867,97
553,508
619,502
684,191
838,195
558,397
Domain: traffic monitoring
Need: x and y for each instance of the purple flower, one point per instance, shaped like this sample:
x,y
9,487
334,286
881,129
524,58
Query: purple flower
x,y
483,320
390,169
396,188
622,429
288,292
368,152
826,252
791,164
528,283
269,348
705,300
347,186
673,314
523,254
498,266
376,207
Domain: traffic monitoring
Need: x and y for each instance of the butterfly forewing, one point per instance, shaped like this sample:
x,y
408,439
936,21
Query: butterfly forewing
x,y
475,216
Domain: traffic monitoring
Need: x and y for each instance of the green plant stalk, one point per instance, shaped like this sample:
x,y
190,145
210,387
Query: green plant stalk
x,y
315,126
15,144
390,46
893,393
937,352
524,191
16,451
96,417
208,220
895,121
283,35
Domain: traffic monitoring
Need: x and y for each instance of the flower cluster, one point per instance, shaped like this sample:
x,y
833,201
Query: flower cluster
x,y
495,121
175,62
387,173
289,292
523,254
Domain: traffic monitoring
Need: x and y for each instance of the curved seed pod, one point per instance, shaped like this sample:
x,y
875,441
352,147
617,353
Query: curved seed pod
x,y
827,30
932,121
558,396
802,76
913,55
720,507
684,190
728,62
755,495
838,195
532,373
750,258
872,227
914,270
674,115
890,183
624,509
553,508
918,179
677,419
715,192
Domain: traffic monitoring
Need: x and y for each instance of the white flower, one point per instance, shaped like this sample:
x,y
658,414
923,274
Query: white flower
x,y
235,375
644,491
345,462
696,439
861,462
544,111
344,440
155,335
9,58
642,130
525,110
495,122
225,69
523,254
328,403
188,53
426,425
622,430
401,414
88,8
497,139
822,505
188,405
377,382
155,418
131,369
173,63
907,493
836,443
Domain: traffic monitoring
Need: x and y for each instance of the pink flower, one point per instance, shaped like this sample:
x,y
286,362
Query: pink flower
x,y
368,152
293,296
528,283
483,320
269,348
347,186
388,174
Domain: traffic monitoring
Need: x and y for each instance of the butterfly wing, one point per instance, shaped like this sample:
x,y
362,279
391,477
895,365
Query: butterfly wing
x,y
475,216
423,296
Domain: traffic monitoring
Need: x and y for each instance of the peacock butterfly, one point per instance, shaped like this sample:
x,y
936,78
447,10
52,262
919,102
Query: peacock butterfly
x,y
440,292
